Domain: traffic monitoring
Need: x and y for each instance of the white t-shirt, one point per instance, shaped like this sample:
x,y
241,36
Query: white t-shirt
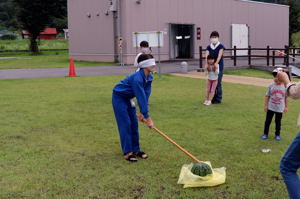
x,y
213,75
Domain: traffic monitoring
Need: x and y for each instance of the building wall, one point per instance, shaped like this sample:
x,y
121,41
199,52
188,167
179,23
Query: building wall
x,y
90,38
268,23
93,37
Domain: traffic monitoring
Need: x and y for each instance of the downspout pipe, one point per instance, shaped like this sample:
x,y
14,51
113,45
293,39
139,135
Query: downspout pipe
x,y
120,42
115,32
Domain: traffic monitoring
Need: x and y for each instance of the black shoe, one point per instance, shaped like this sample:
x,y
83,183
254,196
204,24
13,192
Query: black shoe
x,y
130,158
216,102
141,154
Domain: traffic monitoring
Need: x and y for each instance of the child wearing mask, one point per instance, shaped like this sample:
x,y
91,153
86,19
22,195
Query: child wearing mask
x,y
144,49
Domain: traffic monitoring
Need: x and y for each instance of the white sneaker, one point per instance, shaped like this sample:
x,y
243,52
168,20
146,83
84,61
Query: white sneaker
x,y
208,103
205,102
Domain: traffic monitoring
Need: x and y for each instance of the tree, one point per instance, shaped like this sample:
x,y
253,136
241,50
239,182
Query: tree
x,y
294,17
35,15
7,15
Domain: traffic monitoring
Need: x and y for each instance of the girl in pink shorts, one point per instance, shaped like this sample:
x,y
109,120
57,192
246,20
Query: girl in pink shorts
x,y
212,71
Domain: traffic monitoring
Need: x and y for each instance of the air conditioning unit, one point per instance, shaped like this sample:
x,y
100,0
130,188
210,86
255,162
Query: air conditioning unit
x,y
113,5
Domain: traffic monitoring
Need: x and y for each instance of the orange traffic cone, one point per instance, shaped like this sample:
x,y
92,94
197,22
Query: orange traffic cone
x,y
72,72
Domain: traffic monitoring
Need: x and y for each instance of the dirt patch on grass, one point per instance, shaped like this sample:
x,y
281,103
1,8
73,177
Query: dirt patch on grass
x,y
232,79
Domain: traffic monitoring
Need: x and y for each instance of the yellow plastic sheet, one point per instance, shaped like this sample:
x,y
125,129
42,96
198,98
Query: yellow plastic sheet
x,y
188,179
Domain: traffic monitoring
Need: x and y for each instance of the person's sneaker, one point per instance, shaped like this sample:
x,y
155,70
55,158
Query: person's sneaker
x,y
264,137
208,103
277,138
205,102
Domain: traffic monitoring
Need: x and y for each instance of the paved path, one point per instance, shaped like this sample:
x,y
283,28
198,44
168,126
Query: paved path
x,y
164,67
173,68
168,67
8,57
62,72
232,79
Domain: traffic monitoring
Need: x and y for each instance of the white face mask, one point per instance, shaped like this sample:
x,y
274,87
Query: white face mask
x,y
145,50
214,40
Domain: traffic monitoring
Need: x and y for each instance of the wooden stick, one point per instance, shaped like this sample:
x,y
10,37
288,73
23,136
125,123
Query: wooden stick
x,y
173,142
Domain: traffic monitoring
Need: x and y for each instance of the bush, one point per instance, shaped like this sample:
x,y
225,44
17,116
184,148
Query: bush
x,y
296,39
8,37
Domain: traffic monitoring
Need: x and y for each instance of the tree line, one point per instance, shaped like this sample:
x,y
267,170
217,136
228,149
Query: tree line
x,y
35,15
9,9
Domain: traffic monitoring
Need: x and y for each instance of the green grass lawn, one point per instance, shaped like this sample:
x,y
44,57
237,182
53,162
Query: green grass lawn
x,y
47,59
23,44
253,73
250,73
59,139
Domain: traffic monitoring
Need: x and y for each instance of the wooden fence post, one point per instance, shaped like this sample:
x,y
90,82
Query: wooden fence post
x,y
234,56
287,48
249,56
268,55
273,58
294,54
200,57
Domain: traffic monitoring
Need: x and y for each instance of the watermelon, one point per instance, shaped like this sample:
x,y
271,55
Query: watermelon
x,y
201,169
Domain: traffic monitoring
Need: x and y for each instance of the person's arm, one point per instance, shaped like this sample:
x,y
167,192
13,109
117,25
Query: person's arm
x,y
221,52
266,103
139,92
206,55
286,104
293,89
217,69
207,69
149,121
267,98
141,97
148,91
283,77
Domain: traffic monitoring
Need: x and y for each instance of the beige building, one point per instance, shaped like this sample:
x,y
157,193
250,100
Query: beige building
x,y
108,30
